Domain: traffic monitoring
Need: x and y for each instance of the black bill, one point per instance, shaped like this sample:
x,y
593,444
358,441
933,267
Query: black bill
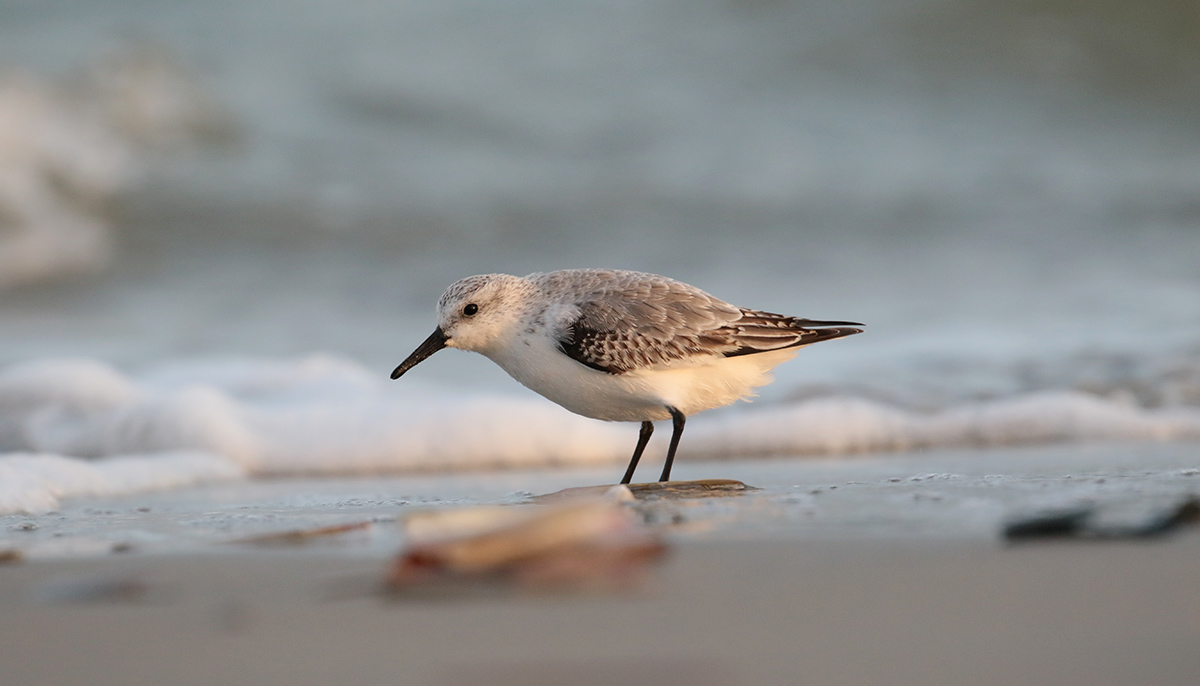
x,y
435,342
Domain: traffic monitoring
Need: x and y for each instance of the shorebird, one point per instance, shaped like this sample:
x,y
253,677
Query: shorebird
x,y
618,345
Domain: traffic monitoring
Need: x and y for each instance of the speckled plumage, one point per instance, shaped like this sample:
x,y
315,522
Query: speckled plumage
x,y
620,345
631,320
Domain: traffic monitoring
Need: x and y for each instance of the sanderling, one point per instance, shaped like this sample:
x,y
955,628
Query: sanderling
x,y
619,345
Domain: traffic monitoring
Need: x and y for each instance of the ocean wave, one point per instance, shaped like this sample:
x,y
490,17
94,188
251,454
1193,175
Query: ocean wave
x,y
69,146
76,427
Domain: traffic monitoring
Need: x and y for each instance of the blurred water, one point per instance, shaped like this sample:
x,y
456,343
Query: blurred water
x,y
236,216
1006,193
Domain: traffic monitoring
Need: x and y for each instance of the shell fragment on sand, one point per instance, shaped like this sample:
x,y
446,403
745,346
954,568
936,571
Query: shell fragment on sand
x,y
581,545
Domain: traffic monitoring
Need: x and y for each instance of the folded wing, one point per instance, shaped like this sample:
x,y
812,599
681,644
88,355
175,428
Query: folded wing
x,y
643,321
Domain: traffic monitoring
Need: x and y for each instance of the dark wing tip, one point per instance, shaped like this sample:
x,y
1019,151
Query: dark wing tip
x,y
829,334
807,337
816,322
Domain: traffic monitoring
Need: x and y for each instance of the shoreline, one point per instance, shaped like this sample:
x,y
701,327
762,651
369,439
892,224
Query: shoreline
x,y
934,495
881,570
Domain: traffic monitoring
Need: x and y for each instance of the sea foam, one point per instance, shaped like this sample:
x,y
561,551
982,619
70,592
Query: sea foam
x,y
840,426
35,483
81,427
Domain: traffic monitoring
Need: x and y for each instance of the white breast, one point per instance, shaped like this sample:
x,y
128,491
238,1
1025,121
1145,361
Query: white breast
x,y
700,384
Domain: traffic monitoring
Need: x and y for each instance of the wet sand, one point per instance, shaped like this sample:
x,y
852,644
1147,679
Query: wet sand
x,y
758,612
883,580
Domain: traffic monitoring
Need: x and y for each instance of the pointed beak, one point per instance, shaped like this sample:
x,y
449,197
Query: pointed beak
x,y
435,342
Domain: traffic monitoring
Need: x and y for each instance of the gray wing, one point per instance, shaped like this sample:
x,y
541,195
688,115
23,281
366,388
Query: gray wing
x,y
622,321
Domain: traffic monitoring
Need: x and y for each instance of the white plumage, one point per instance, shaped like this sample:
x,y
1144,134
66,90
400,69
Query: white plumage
x,y
620,345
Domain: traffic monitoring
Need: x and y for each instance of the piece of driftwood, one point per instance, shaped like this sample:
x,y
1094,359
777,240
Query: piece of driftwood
x,y
671,490
700,488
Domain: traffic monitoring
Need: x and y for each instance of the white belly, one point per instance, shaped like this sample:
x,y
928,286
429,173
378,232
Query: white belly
x,y
636,396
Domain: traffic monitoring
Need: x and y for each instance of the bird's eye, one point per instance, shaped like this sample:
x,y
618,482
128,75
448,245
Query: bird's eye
x,y
470,309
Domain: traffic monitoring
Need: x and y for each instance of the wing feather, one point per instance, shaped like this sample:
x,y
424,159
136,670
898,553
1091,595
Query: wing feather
x,y
619,321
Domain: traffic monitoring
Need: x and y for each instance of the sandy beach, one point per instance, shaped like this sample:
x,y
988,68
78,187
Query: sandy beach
x,y
757,612
224,224
874,570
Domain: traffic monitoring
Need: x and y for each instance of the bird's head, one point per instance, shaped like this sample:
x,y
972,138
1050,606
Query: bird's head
x,y
473,314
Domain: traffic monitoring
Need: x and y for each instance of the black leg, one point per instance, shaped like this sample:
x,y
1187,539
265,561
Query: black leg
x,y
677,420
643,439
